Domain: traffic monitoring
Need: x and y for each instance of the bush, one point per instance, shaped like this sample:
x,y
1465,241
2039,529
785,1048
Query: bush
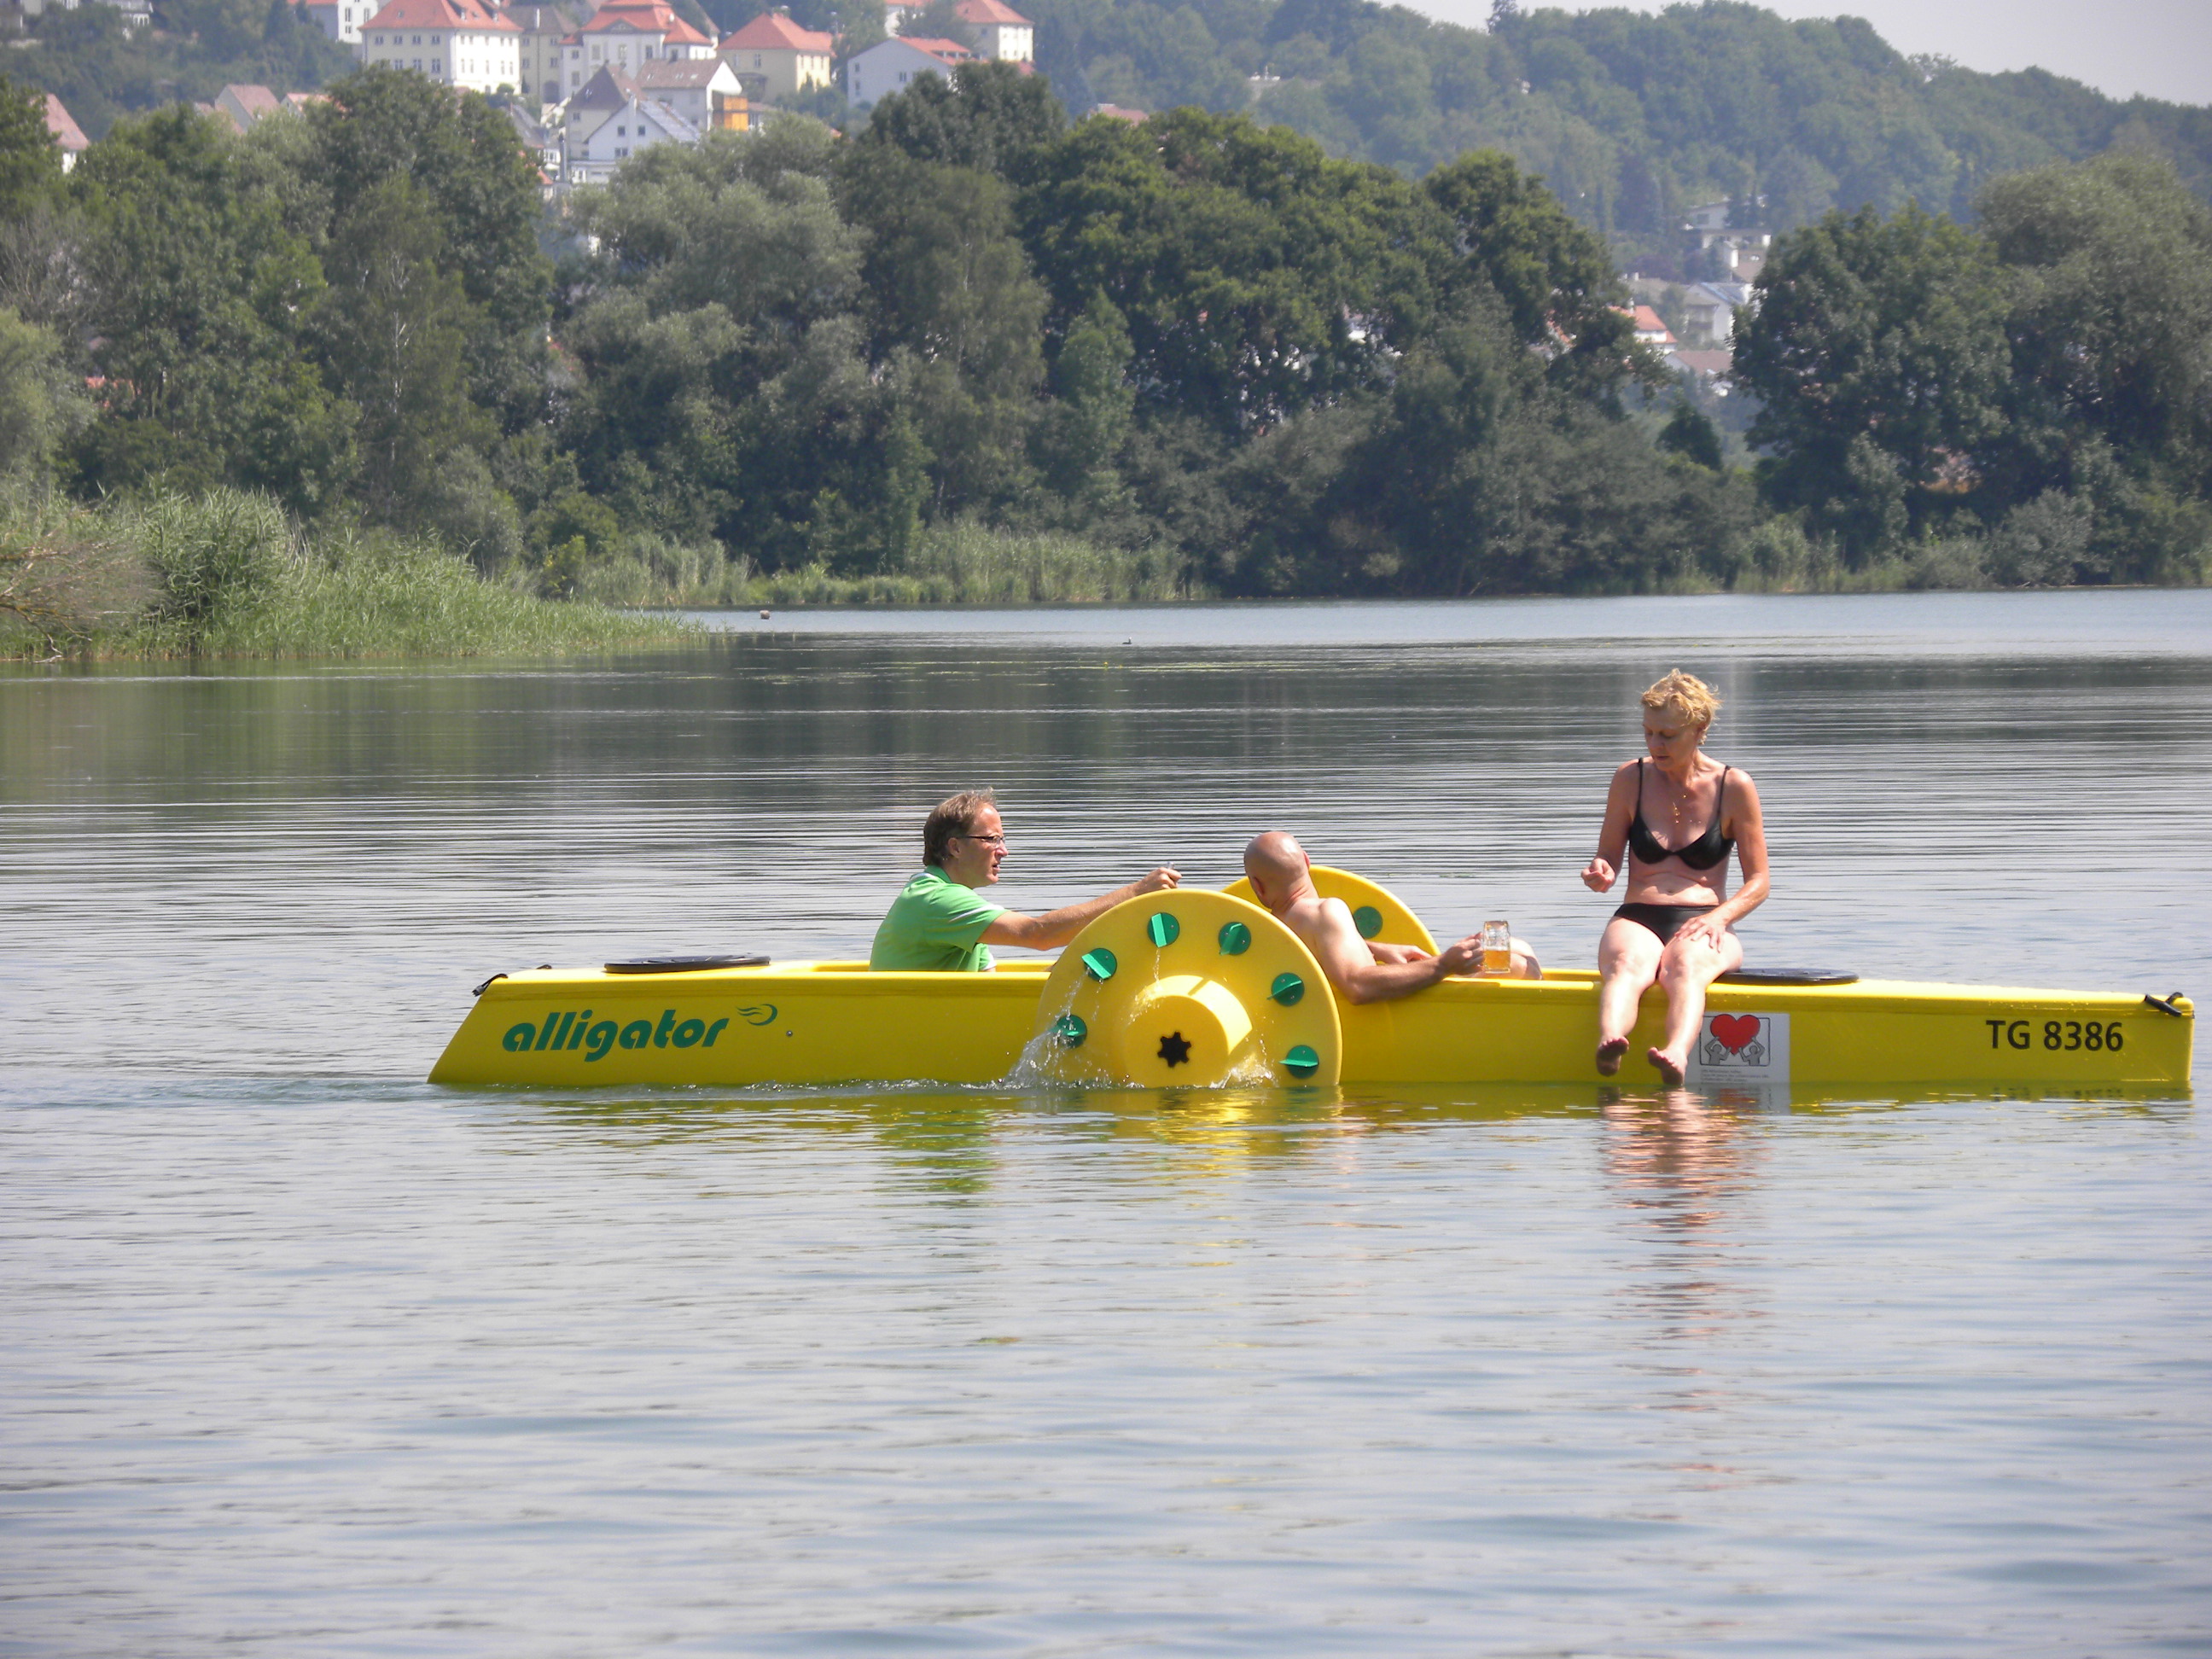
x,y
2039,542
224,549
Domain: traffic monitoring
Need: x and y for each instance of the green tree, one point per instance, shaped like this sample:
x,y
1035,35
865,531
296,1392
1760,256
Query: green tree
x,y
30,158
727,388
953,305
2114,258
865,24
1082,430
937,20
195,296
480,188
1255,276
1693,436
42,405
1513,238
393,326
991,118
1879,353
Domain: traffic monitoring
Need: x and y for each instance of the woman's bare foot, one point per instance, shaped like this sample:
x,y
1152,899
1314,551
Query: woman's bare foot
x,y
1608,1055
1670,1068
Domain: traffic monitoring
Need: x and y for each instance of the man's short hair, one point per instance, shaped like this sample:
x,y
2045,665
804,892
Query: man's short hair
x,y
954,816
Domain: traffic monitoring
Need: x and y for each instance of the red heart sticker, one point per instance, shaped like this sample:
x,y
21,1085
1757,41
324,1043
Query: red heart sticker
x,y
1734,1030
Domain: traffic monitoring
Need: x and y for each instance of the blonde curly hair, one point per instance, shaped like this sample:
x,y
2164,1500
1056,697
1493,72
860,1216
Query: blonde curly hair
x,y
1685,694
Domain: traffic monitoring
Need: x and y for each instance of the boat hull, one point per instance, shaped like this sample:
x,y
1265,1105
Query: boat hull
x,y
837,1022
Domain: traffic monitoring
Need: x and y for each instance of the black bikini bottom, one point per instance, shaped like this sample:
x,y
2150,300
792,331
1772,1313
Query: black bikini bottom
x,y
1663,921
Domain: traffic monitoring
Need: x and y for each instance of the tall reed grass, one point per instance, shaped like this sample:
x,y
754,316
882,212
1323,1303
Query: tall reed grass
x,y
949,564
227,574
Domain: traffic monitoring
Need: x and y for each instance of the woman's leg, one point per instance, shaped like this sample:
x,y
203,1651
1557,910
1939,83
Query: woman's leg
x,y
1686,969
1627,962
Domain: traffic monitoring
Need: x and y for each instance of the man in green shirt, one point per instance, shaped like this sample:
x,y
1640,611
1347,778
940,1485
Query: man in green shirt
x,y
941,924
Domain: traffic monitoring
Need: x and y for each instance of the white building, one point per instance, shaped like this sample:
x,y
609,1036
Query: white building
x,y
624,33
341,19
1709,311
891,66
609,122
705,92
777,58
998,30
457,43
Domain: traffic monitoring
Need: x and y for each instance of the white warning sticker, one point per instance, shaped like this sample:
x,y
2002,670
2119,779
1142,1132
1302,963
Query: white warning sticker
x,y
1735,1049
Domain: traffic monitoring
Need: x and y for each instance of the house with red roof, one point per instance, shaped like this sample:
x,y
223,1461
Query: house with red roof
x,y
457,43
998,30
777,59
247,106
1650,327
677,38
67,134
891,66
624,33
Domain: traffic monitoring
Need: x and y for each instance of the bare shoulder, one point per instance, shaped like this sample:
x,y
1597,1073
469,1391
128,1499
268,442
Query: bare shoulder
x,y
1743,810
1335,914
1320,919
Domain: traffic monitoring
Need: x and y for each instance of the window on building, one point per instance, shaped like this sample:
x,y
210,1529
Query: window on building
x,y
437,66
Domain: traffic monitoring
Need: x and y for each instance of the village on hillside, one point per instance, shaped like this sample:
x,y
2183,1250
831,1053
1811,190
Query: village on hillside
x,y
594,86
587,87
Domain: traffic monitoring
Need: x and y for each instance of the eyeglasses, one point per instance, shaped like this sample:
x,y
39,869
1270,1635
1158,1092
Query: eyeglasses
x,y
988,841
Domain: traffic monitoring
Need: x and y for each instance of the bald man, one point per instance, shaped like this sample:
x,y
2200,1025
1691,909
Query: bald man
x,y
1362,971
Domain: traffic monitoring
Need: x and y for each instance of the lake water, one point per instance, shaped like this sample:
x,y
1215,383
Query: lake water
x,y
303,1356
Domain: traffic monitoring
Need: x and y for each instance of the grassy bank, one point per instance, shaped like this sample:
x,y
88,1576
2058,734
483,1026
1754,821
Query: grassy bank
x,y
227,576
948,564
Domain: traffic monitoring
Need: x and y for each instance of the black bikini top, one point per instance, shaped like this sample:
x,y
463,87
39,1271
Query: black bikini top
x,y
1711,848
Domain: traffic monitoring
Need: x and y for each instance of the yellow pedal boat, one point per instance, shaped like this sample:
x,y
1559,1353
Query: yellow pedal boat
x,y
1196,988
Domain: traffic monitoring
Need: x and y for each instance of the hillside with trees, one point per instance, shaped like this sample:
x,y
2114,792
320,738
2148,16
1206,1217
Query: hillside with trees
x,y
102,72
1629,118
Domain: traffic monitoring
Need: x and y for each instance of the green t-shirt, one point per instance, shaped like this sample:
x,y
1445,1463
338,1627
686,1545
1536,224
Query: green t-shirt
x,y
936,926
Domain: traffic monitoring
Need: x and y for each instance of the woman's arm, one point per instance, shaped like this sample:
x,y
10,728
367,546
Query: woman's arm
x,y
1747,829
1612,834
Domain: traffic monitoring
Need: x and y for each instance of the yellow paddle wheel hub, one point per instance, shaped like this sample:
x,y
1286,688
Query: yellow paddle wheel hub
x,y
1187,989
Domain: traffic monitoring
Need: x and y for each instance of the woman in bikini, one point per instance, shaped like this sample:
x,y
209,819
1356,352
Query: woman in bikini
x,y
1677,926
